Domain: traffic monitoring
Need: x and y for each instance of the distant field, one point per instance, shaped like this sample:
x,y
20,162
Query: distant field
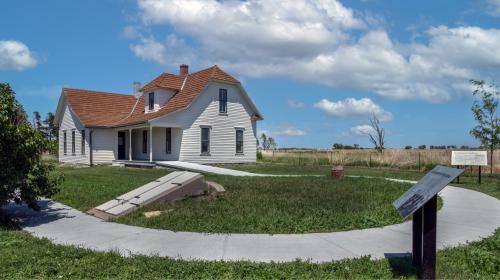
x,y
394,158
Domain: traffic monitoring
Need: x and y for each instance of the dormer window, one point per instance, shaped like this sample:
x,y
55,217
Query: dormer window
x,y
151,101
222,100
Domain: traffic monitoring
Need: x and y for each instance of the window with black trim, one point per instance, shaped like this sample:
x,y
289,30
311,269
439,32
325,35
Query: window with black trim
x,y
73,143
239,141
168,142
151,99
65,142
205,140
222,100
144,141
83,142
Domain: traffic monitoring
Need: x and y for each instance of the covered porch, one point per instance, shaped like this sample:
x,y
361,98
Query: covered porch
x,y
148,143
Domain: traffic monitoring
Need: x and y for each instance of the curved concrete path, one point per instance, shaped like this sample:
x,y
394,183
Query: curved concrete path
x,y
203,168
466,216
196,167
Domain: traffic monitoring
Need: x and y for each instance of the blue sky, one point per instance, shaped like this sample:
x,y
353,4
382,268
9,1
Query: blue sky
x,y
317,70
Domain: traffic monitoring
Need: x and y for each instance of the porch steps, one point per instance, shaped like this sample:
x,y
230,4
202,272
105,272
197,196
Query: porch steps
x,y
174,186
134,163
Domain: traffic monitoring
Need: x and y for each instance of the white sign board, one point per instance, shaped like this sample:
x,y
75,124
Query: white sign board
x,y
469,158
425,189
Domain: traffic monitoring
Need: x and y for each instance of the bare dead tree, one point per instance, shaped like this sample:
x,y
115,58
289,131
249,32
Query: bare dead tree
x,y
377,134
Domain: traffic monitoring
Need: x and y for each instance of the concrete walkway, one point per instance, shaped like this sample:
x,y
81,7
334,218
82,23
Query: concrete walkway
x,y
195,167
466,216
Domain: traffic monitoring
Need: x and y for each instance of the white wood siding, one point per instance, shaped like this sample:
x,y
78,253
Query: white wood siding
x,y
160,147
104,145
204,111
69,123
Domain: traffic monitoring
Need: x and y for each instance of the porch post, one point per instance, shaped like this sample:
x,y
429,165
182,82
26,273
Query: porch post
x,y
130,144
150,143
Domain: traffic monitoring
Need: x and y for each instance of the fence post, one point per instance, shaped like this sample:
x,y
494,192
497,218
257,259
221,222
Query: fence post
x,y
273,155
370,161
418,160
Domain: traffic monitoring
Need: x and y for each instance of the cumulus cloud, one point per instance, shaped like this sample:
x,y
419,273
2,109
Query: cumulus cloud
x,y
314,41
352,107
290,131
15,55
362,130
149,49
171,51
295,104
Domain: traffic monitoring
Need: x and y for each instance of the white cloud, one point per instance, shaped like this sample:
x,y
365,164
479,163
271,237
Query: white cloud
x,y
362,130
15,55
264,131
291,131
295,104
313,41
149,49
352,107
172,51
234,31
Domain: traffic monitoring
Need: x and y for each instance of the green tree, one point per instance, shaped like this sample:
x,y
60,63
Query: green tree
x,y
37,120
51,128
271,143
24,176
338,146
264,141
485,111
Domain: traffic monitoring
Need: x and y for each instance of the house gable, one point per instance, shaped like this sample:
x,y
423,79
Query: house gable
x,y
171,93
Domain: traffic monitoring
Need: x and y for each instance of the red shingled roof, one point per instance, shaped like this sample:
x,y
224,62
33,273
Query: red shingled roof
x,y
101,109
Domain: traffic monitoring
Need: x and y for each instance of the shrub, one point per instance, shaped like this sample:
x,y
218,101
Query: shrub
x,y
53,148
24,176
259,155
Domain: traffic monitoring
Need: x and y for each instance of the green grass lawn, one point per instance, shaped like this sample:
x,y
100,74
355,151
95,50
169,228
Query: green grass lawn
x,y
23,256
84,188
250,204
280,168
489,185
26,257
280,205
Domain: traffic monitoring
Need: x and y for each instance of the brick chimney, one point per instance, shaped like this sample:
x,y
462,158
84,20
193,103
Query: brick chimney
x,y
183,69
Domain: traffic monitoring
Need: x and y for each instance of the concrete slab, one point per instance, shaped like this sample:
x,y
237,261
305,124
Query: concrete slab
x,y
173,186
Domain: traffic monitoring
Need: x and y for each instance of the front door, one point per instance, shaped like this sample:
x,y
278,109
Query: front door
x,y
121,144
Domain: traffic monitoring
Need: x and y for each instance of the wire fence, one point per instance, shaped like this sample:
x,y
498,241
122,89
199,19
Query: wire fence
x,y
391,158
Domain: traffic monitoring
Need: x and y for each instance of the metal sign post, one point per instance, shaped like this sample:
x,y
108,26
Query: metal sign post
x,y
421,201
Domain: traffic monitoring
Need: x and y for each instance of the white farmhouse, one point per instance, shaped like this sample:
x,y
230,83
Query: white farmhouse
x,y
203,117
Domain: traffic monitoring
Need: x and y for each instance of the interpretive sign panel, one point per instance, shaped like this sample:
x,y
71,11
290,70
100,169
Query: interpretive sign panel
x,y
425,189
477,158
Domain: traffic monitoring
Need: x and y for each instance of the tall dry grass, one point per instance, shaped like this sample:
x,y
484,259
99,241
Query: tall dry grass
x,y
392,158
